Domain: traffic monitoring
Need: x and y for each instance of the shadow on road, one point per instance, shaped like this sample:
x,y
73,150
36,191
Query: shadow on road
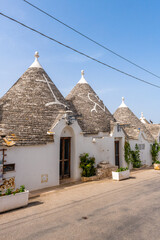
x,y
132,177
35,203
31,204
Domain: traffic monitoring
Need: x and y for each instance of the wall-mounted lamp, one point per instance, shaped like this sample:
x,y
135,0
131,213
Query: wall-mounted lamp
x,y
50,133
93,140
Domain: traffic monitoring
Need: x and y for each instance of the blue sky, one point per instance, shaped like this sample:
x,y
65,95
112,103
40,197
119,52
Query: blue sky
x,y
131,28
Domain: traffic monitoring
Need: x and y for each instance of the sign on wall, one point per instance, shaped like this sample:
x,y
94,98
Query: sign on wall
x,y
44,178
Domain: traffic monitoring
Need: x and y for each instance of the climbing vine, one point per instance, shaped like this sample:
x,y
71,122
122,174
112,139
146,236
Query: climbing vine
x,y
155,148
136,161
132,156
127,153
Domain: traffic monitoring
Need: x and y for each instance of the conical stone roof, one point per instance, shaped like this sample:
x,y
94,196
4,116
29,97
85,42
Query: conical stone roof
x,y
95,117
154,129
29,108
126,117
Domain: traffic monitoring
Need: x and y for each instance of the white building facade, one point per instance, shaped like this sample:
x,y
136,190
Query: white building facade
x,y
41,141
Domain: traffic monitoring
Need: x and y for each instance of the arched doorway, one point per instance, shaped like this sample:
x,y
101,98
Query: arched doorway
x,y
67,152
65,157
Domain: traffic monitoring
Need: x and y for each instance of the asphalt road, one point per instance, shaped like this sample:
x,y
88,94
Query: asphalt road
x,y
124,210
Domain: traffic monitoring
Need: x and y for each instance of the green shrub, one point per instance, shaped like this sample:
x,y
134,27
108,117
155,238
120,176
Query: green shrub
x,y
87,164
136,161
10,191
122,169
155,148
158,162
132,156
127,153
22,188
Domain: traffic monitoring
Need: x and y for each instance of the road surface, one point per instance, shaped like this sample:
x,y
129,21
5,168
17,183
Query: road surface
x,y
107,210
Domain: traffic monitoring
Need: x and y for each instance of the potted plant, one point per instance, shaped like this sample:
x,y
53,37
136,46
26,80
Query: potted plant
x,y
87,164
157,165
11,199
121,173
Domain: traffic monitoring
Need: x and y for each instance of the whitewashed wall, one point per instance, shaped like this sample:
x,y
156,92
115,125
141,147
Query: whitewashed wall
x,y
31,162
103,149
145,154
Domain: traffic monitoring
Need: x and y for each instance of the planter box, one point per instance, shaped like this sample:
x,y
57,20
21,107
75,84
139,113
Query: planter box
x,y
120,175
12,201
157,166
86,179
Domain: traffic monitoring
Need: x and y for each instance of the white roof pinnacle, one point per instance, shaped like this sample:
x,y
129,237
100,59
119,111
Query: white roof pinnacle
x,y
36,63
122,104
82,80
142,118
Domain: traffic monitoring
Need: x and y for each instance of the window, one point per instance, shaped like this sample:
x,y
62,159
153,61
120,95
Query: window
x,y
4,165
141,146
2,160
118,128
8,167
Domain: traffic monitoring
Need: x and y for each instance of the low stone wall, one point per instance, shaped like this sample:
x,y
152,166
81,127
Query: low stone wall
x,y
87,179
104,170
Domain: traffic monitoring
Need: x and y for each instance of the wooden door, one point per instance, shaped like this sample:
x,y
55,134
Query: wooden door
x,y
117,153
65,155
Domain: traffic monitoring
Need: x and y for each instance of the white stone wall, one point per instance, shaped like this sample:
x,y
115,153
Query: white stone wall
x,y
31,162
145,154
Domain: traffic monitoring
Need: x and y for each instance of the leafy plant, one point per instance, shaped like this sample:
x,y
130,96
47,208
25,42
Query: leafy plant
x,y
87,165
136,161
155,148
121,169
132,156
127,153
8,191
158,162
22,188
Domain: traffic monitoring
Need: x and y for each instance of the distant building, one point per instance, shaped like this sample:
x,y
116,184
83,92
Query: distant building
x,y
153,128
136,132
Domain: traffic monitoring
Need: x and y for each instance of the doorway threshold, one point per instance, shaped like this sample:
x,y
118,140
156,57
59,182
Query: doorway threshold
x,y
67,180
